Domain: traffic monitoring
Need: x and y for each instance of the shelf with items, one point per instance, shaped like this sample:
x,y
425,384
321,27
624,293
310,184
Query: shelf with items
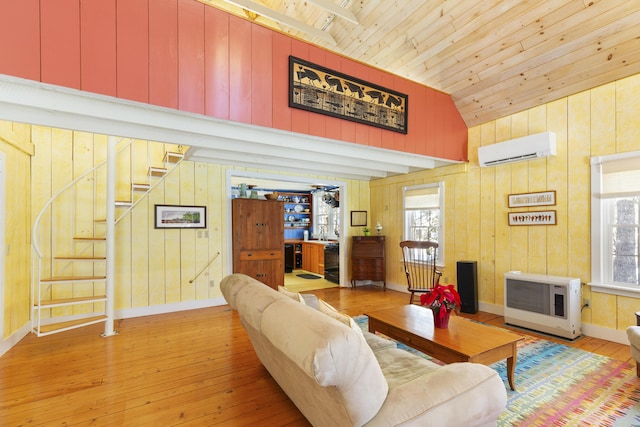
x,y
297,210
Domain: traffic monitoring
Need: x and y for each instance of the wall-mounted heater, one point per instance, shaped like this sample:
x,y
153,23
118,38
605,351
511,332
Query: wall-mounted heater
x,y
549,304
518,149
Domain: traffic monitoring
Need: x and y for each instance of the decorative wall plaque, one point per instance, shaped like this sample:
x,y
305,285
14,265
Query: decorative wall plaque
x,y
532,218
318,89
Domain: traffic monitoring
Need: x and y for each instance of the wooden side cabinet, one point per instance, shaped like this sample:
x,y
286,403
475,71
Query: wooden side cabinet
x,y
367,260
258,240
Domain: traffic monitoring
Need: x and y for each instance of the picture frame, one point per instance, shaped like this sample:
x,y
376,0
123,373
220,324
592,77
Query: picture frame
x,y
541,198
324,91
533,218
176,216
358,218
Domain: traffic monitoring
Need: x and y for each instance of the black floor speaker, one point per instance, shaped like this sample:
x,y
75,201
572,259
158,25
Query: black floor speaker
x,y
468,286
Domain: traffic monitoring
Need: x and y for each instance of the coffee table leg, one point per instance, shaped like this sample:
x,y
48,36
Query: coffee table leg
x,y
511,367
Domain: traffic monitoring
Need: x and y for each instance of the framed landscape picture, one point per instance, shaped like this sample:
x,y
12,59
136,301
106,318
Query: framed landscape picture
x,y
541,198
175,216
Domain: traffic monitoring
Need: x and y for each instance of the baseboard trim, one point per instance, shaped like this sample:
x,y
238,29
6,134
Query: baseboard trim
x,y
168,308
9,342
14,338
588,329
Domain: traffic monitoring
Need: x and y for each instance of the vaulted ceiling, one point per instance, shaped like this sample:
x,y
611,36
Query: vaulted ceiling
x,y
494,57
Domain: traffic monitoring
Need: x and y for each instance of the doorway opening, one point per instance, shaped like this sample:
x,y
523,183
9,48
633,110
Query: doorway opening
x,y
285,182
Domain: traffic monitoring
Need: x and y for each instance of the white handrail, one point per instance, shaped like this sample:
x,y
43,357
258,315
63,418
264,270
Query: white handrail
x,y
110,237
36,224
151,187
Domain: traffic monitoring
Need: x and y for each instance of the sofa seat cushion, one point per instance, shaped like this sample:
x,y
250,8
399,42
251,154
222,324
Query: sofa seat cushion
x,y
377,343
400,366
458,394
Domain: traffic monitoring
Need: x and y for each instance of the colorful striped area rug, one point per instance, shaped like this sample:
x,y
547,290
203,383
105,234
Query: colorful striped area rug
x,y
558,385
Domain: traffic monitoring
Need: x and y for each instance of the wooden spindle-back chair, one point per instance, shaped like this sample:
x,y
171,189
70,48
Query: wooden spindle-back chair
x,y
419,259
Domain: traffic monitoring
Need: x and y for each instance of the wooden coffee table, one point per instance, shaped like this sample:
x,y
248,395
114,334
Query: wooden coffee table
x,y
463,341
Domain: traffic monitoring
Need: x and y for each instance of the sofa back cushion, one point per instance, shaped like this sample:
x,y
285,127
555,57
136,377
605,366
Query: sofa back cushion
x,y
338,363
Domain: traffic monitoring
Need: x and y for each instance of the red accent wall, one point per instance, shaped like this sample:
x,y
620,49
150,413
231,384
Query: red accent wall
x,y
184,55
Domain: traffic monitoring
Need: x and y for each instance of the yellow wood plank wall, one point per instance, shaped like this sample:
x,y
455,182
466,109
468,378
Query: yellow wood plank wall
x,y
14,143
153,267
600,121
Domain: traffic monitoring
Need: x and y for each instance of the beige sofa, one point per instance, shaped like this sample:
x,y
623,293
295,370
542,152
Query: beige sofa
x,y
335,378
633,333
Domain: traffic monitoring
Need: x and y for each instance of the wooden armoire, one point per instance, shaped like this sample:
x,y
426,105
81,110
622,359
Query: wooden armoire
x,y
258,239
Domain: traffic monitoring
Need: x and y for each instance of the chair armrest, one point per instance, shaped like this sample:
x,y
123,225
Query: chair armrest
x,y
633,333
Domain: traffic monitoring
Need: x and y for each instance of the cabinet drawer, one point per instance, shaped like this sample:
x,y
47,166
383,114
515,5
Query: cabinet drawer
x,y
260,255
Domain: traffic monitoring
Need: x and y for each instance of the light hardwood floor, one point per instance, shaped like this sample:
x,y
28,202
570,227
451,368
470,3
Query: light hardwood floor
x,y
194,368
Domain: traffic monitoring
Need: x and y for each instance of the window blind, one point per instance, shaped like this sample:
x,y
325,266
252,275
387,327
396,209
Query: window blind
x,y
422,198
621,178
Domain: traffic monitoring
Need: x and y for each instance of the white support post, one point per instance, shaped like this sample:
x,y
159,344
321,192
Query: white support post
x,y
110,236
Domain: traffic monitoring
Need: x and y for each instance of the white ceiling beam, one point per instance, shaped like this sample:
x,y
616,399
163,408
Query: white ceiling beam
x,y
283,19
311,163
302,152
307,167
336,10
43,104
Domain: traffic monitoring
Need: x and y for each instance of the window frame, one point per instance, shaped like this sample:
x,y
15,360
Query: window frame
x,y
334,219
440,262
601,232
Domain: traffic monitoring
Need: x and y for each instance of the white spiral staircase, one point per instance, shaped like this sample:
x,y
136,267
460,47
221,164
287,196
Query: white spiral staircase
x,y
73,273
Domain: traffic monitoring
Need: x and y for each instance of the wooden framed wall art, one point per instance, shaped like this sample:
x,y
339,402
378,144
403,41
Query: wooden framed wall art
x,y
172,216
318,89
532,218
542,198
358,218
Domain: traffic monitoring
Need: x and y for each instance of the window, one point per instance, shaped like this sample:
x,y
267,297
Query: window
x,y
615,223
423,207
326,215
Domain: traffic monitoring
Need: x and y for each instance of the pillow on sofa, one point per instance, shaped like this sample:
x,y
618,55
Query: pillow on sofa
x,y
293,295
326,308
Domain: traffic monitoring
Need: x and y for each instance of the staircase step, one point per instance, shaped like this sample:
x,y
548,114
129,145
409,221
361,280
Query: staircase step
x,y
71,324
90,239
157,172
79,258
70,301
123,203
172,157
73,279
140,187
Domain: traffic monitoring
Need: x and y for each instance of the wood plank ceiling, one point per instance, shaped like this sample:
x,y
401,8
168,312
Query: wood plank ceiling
x,y
494,57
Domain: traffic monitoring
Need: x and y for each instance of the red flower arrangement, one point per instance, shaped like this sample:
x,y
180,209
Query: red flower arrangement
x,y
442,296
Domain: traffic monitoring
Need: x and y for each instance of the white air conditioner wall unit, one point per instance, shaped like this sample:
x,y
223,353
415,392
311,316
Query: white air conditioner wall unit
x,y
519,149
549,304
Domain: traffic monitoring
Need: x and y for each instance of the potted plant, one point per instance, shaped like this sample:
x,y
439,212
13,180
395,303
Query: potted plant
x,y
367,232
442,299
